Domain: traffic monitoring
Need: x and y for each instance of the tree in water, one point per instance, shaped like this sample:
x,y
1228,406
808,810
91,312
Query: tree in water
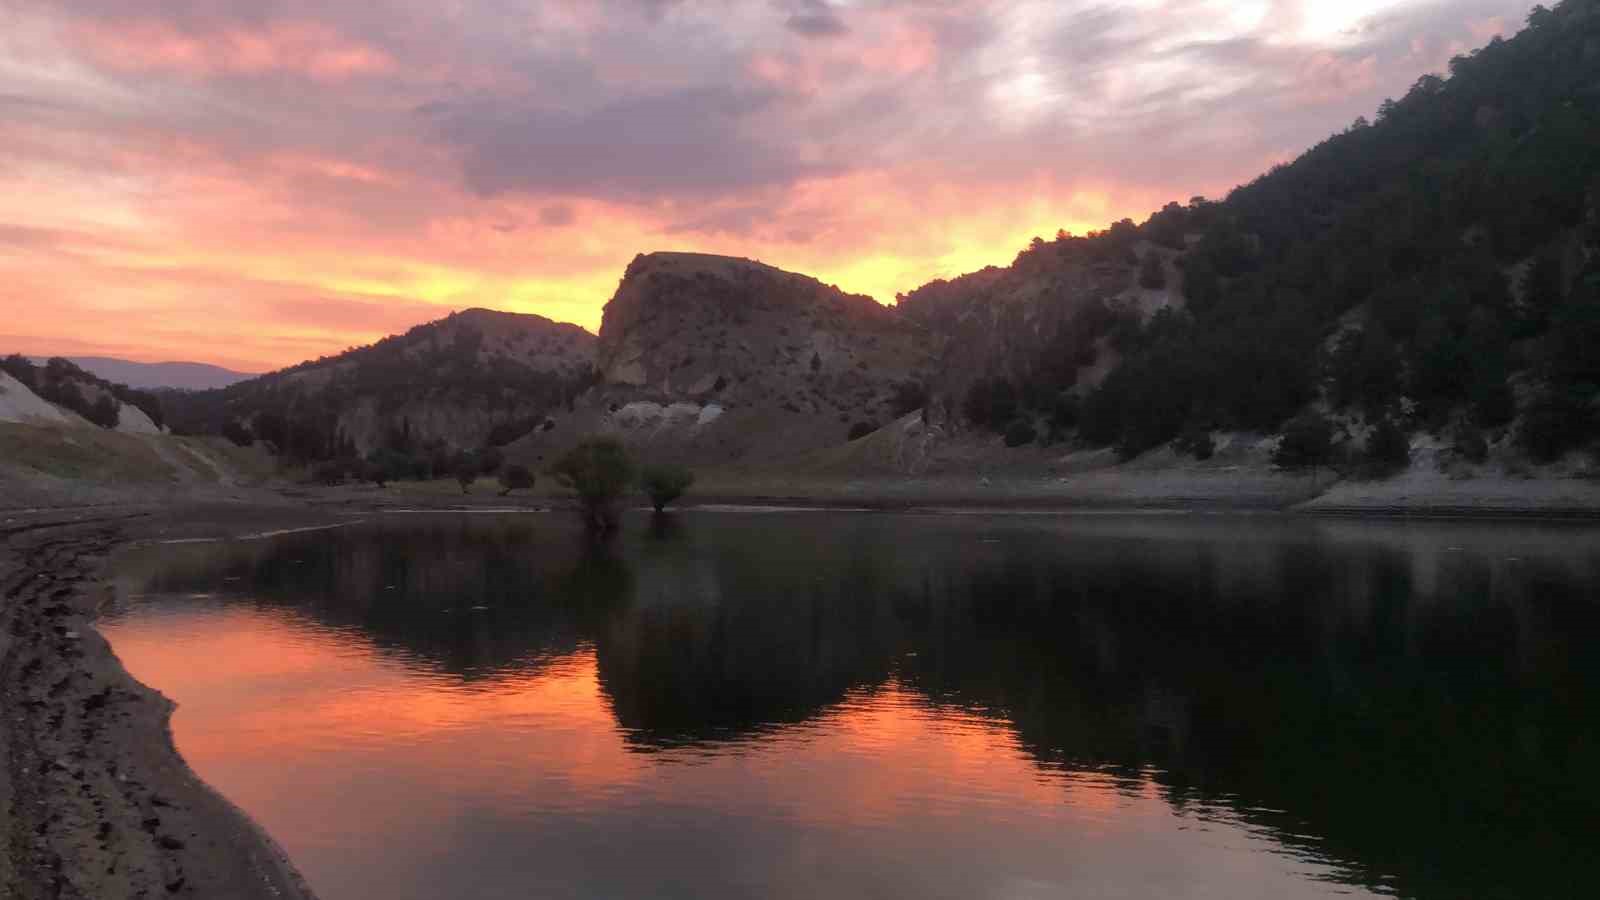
x,y
598,471
665,483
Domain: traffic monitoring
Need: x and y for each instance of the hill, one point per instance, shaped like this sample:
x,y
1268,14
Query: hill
x,y
1421,286
475,378
78,397
711,359
185,376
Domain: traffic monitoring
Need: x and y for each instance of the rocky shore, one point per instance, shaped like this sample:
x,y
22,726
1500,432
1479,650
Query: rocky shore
x,y
97,803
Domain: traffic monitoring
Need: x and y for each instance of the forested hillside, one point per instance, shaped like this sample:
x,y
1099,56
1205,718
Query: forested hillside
x,y
1433,268
472,380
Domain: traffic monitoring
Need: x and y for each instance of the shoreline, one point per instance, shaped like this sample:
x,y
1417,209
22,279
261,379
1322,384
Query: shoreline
x,y
98,800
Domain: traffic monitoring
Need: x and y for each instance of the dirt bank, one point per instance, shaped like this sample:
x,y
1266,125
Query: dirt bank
x,y
96,801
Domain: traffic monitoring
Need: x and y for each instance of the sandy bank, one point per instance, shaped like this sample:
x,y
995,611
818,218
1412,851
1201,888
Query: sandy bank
x,y
96,801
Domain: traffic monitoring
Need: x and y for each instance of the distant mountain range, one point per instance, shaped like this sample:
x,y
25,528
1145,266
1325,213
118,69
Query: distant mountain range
x,y
186,376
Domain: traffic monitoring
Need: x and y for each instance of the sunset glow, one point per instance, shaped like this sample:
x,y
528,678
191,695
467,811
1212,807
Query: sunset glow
x,y
254,184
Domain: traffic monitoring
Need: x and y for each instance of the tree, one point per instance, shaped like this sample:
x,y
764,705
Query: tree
x,y
515,478
1196,441
598,471
665,483
1388,448
105,412
236,432
1019,433
1152,273
1307,442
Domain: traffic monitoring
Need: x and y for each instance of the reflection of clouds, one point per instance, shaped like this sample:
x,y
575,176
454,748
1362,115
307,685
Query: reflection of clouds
x,y
828,674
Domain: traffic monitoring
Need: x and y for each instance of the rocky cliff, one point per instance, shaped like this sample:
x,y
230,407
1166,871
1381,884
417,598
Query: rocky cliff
x,y
714,359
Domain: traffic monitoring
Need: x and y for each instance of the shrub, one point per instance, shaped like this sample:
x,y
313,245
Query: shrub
x,y
909,396
1388,447
384,465
1470,444
665,483
490,460
1196,442
331,474
598,471
466,474
1307,442
105,412
860,430
515,478
236,432
22,369
1019,433
1152,274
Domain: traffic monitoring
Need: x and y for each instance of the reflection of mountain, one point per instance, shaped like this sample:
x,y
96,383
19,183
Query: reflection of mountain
x,y
1408,700
445,593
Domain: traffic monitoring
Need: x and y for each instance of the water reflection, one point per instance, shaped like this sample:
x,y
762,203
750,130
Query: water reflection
x,y
866,705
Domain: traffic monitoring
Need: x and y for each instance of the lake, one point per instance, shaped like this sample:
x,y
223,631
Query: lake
x,y
825,704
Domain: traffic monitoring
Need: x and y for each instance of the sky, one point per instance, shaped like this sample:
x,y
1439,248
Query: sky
x,y
256,182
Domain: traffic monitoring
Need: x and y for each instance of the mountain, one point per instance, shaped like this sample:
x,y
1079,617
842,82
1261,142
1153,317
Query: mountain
x,y
186,376
1435,270
473,378
714,359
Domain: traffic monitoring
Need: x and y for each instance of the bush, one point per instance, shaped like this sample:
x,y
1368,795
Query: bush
x,y
909,396
665,483
490,460
236,432
22,369
1470,444
1152,274
331,474
598,471
1019,433
105,412
860,430
1196,442
991,402
385,465
466,474
1307,442
1388,447
515,478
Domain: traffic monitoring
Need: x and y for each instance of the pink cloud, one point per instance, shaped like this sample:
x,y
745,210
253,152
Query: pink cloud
x,y
306,48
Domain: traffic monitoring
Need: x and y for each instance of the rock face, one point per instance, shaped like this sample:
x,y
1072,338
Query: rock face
x,y
18,404
710,359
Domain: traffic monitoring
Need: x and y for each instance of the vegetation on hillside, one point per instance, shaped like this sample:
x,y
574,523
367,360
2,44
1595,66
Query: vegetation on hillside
x,y
300,411
1425,268
68,385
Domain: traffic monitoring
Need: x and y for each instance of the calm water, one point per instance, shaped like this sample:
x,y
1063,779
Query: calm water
x,y
809,705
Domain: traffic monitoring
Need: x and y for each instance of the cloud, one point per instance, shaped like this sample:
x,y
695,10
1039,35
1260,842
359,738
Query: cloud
x,y
815,19
690,142
407,155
